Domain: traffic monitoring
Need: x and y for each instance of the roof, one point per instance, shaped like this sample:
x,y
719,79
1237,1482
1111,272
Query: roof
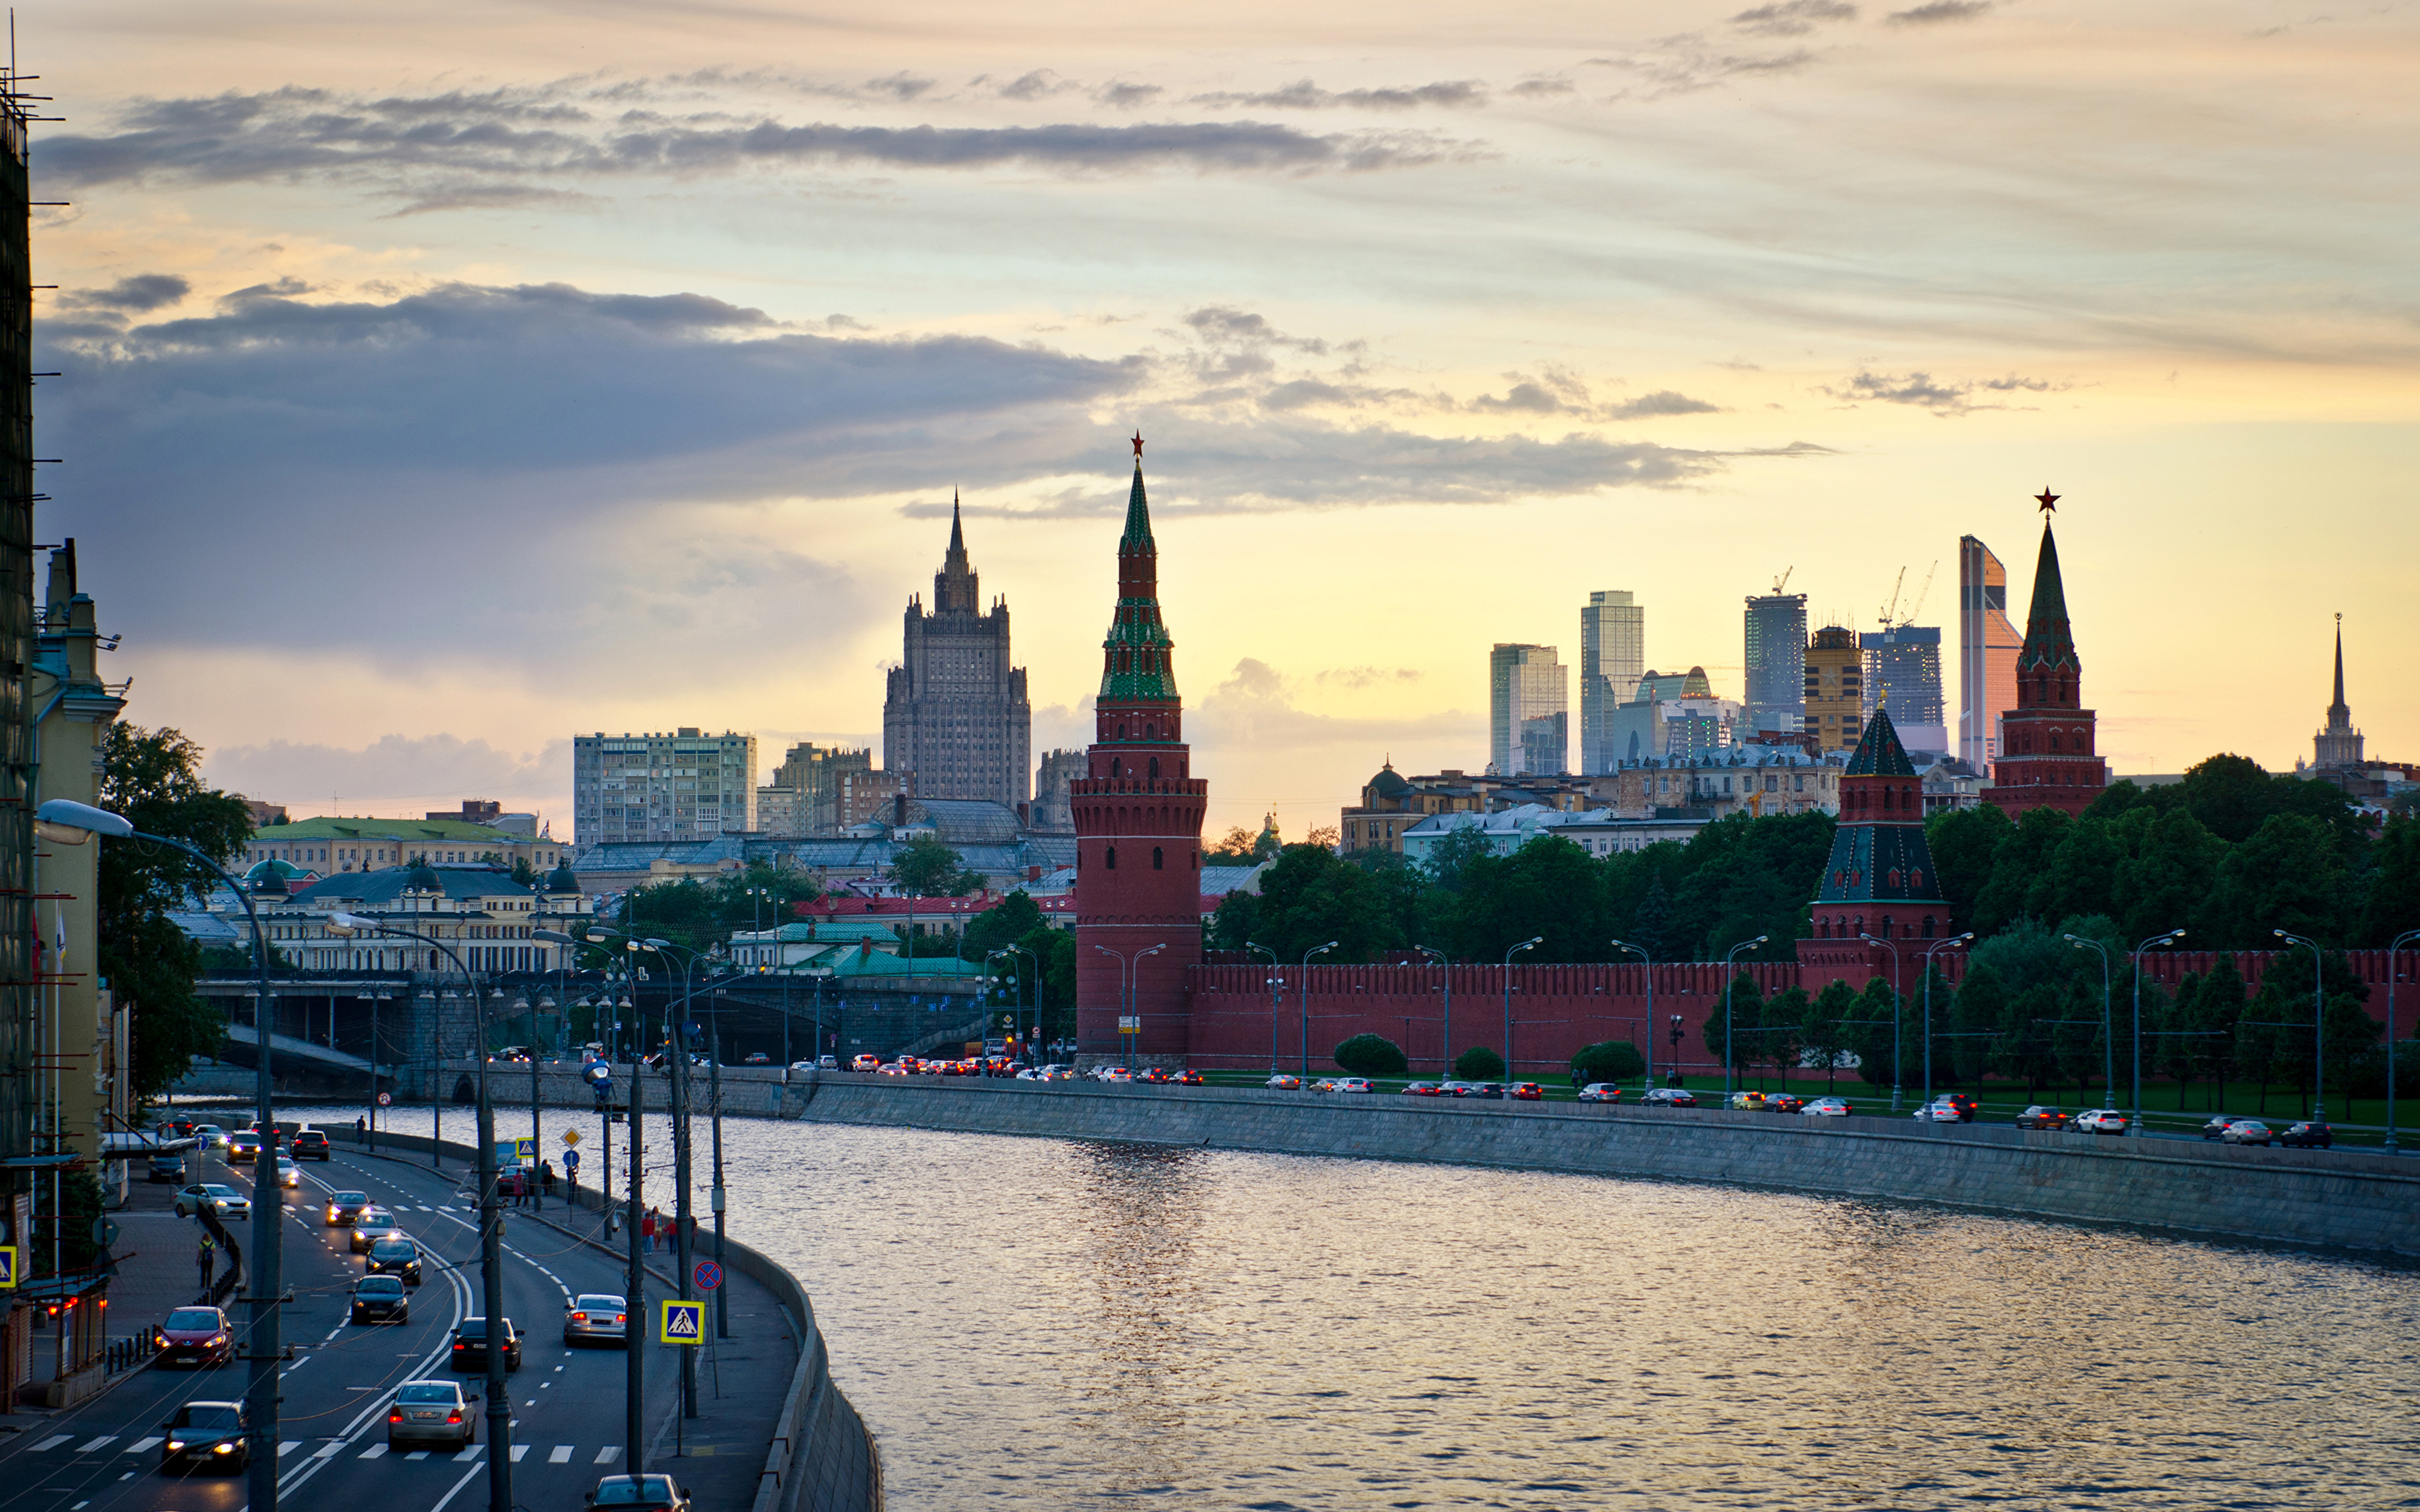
x,y
1389,784
405,831
2049,640
1218,881
1879,752
1879,863
969,821
373,890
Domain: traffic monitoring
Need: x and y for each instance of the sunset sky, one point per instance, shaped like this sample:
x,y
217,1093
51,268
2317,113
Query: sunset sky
x,y
441,380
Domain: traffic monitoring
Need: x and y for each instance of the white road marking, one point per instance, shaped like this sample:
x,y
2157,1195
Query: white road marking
x,y
561,1454
605,1456
141,1445
330,1449
375,1451
101,1443
518,1450
468,1454
52,1442
289,1447
417,1454
456,1492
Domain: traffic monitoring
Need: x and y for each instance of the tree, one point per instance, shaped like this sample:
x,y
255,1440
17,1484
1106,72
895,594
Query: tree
x,y
1371,1055
1963,842
1783,1030
2346,1028
2234,797
1312,895
1824,1031
1746,876
1478,1064
1610,1060
153,777
1549,887
1978,1017
1006,923
524,874
926,867
2081,876
1875,1036
1450,859
700,915
1235,848
2020,860
1731,1024
2171,867
2394,902
2290,875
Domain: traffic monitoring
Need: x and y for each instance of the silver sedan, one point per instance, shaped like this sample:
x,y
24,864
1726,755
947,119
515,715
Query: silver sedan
x,y
596,1318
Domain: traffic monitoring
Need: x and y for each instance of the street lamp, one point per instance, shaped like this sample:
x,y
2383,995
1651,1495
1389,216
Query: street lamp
x,y
1955,939
1730,991
1895,1015
1531,943
2134,1124
1302,1000
63,821
1276,985
1445,1014
2319,1024
1648,963
2108,1038
1126,965
2392,946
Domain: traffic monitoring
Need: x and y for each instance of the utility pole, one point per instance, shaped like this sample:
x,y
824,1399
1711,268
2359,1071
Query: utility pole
x,y
714,1090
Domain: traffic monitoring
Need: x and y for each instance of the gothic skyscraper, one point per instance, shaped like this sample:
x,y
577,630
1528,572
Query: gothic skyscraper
x,y
956,714
2338,747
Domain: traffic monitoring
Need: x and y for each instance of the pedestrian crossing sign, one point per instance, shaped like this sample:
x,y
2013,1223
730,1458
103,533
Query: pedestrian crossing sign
x,y
683,1322
525,1150
8,1265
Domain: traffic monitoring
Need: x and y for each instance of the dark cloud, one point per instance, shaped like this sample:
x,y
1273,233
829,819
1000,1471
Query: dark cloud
x,y
137,294
902,85
1127,96
1541,88
1555,392
397,767
1921,390
1304,95
1938,10
1304,394
1792,18
1522,398
1662,402
1037,84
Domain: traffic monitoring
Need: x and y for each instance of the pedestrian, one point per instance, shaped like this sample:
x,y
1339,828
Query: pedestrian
x,y
648,1228
360,1131
207,1258
547,1184
663,1228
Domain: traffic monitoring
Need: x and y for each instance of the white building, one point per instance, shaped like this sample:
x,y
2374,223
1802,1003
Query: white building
x,y
1597,831
681,786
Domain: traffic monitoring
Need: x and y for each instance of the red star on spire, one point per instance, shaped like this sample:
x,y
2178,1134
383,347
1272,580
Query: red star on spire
x,y
1138,445
2048,499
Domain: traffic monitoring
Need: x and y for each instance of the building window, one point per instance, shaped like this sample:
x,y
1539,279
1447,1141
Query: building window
x,y
1110,860
1156,858
1928,926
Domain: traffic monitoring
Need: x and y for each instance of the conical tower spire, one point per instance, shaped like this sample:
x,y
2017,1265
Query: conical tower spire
x,y
2050,643
957,533
955,586
1139,656
2339,713
1138,531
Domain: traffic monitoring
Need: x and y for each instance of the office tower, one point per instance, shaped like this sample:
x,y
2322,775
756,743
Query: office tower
x,y
2338,747
1836,681
685,785
956,712
1529,711
1777,662
2049,760
1613,654
1987,653
1903,674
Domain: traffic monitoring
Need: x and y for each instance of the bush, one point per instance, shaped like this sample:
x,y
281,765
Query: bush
x,y
1615,1060
1478,1064
1371,1055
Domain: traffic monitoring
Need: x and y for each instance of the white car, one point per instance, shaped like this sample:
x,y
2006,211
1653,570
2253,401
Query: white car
x,y
1355,1083
211,1135
828,1063
1116,1075
2100,1120
224,1201
1827,1108
1601,1093
802,1065
288,1173
1940,1110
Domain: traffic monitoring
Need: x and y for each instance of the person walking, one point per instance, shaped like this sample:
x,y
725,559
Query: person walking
x,y
360,1131
647,1229
207,1258
546,1170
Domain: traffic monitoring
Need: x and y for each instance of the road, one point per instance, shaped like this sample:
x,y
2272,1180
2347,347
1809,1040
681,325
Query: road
x,y
103,1454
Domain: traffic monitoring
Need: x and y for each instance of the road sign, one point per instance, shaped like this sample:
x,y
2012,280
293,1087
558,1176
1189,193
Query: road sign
x,y
8,1265
598,1073
571,1136
1129,1024
386,1100
571,1160
683,1322
707,1275
105,1233
525,1150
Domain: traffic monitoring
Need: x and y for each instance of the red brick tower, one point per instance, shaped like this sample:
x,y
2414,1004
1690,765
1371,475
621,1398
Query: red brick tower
x,y
1880,879
1138,814
2047,757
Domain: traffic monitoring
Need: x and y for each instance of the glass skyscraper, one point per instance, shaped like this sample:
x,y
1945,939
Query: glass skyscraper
x,y
1613,656
1529,704
1988,644
1903,674
1777,662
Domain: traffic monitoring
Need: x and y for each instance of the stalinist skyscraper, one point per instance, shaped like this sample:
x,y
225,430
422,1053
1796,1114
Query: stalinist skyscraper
x,y
956,714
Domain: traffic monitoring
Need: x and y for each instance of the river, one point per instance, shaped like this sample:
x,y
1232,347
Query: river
x,y
1048,1323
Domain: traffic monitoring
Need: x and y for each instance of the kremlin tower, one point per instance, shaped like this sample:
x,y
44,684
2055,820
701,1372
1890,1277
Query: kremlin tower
x,y
2047,757
1137,813
1880,879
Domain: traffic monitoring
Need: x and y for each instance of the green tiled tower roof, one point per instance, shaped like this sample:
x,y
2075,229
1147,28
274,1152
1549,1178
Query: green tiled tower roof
x,y
1879,752
2050,645
1138,657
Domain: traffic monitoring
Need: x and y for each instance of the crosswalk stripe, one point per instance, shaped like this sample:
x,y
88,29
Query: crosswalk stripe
x,y
417,1454
101,1443
289,1447
605,1456
53,1441
561,1454
375,1451
329,1450
141,1445
518,1450
468,1453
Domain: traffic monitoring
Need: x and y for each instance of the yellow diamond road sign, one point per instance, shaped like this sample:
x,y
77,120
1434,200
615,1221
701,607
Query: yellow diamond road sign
x,y
683,1322
8,1265
571,1136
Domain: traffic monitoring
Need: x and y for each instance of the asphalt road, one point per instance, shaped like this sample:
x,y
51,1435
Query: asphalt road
x,y
105,1454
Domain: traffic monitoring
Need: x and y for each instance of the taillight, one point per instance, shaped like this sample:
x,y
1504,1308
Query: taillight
x,y
394,1415
620,1318
452,1417
579,1318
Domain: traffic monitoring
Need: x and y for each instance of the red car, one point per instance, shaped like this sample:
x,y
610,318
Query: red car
x,y
1526,1092
1784,1103
197,1336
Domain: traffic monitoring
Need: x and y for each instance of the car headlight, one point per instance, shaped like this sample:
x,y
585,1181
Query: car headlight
x,y
222,1449
175,1444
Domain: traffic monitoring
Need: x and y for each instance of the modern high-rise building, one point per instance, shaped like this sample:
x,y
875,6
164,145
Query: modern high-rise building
x,y
2338,747
1988,644
1528,710
1836,683
1903,674
803,796
2050,759
682,786
956,712
1613,654
1777,662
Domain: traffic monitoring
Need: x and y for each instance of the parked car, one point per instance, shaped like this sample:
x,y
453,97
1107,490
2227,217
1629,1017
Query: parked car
x,y
346,1207
382,1299
596,1318
1784,1103
1829,1107
1456,1088
2042,1116
168,1165
195,1336
470,1352
2249,1132
1284,1082
372,1225
1600,1093
1669,1097
639,1493
1486,1089
2100,1122
1156,1076
211,1434
431,1411
395,1256
311,1144
1526,1092
2309,1134
224,1201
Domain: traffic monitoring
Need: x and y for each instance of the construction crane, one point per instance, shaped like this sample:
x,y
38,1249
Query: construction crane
x,y
1783,581
1922,593
1891,618
1891,608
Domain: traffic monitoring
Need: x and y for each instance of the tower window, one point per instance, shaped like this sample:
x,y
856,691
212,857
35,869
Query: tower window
x,y
1156,858
1155,768
1110,860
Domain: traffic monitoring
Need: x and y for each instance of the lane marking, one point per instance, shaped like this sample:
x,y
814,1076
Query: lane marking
x,y
417,1454
330,1449
141,1445
101,1443
518,1450
456,1490
561,1454
606,1454
375,1451
289,1447
469,1454
53,1441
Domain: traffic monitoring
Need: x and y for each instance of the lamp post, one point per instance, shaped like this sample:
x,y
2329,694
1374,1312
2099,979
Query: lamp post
x,y
1531,943
2108,1036
1730,990
1302,1000
63,821
1023,1000
1953,940
2134,1124
1445,1012
677,1054
1647,964
2393,947
1276,985
2319,1024
1895,1016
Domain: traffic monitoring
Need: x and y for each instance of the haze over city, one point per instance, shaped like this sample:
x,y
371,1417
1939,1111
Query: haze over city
x,y
443,380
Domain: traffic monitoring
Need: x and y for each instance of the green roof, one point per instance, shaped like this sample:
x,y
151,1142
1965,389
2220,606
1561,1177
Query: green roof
x,y
404,831
1879,752
1137,667
2049,640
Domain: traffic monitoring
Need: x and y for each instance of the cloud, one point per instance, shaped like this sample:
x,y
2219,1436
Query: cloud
x,y
422,769
1791,17
1938,10
1037,84
1543,88
1304,95
1357,678
1944,399
1662,402
1684,64
902,85
138,293
1555,392
1127,96
1258,708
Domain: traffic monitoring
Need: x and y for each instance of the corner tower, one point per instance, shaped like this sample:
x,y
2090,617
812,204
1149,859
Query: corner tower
x,y
1137,811
2048,757
1880,879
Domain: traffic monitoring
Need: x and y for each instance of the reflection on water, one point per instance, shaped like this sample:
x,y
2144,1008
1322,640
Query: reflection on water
x,y
1051,1324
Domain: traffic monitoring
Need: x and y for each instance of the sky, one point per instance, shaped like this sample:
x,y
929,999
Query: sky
x,y
437,381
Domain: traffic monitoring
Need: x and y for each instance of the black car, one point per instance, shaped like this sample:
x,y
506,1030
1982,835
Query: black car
x,y
2216,1128
2310,1134
310,1144
395,1256
345,1208
382,1299
469,1351
639,1493
168,1165
1669,1097
207,1433
1494,1090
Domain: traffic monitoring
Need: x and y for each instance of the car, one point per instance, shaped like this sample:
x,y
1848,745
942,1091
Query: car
x,y
1669,1097
1456,1088
167,1165
890,1068
288,1173
2042,1116
513,1182
639,1493
1965,1105
211,1135
311,1144
2309,1134
1827,1108
828,1062
2216,1127
2100,1122
470,1352
431,1411
1748,1101
1030,1074
1118,1076
1284,1082
224,1201
243,1145
1156,1075
1356,1083
346,1207
372,1225
395,1256
382,1299
1421,1090
1600,1093
1527,1092
865,1063
758,1059
1784,1103
195,1336
1940,1110
797,1066
2249,1132
1188,1078
179,1127
212,1434
596,1318
1486,1089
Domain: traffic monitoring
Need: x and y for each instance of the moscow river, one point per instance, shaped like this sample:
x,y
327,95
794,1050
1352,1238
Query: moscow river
x,y
1048,1323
